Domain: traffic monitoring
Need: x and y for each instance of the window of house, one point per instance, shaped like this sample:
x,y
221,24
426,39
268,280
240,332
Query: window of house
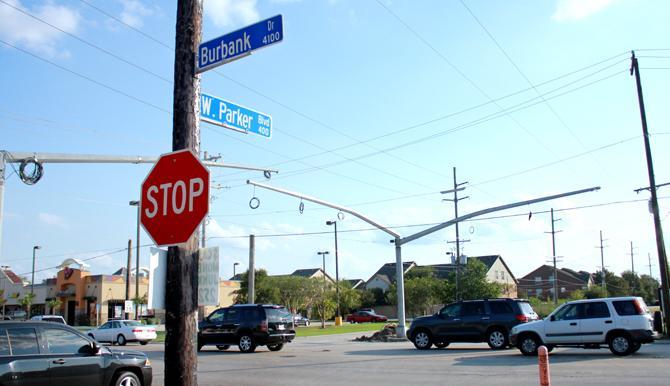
x,y
538,279
538,292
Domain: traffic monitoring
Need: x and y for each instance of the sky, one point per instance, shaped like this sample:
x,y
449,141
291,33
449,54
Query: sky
x,y
373,104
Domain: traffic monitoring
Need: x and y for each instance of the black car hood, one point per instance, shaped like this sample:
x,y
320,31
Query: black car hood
x,y
424,318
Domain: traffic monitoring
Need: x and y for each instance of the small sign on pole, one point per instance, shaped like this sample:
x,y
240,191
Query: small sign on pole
x,y
240,43
223,113
208,277
128,306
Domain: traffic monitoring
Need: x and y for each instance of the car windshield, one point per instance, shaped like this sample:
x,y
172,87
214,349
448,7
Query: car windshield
x,y
277,314
132,323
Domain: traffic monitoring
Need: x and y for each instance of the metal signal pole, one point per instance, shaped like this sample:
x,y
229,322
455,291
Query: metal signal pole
x,y
181,295
602,262
660,244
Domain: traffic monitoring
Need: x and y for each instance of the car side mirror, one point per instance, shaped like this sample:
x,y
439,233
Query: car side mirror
x,y
552,318
92,349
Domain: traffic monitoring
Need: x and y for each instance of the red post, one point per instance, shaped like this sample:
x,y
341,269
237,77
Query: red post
x,y
543,362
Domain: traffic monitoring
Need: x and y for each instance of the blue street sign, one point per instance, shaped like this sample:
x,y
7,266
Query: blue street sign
x,y
240,43
229,115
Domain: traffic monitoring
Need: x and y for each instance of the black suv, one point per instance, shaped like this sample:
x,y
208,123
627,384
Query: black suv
x,y
247,326
43,353
487,320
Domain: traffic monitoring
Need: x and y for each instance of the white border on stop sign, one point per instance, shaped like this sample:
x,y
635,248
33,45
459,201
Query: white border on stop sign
x,y
141,196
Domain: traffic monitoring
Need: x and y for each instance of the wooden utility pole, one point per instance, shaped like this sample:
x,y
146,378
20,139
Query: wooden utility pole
x,y
660,244
553,255
181,295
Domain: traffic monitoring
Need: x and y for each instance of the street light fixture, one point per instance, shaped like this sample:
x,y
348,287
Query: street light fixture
x,y
137,255
337,269
234,265
32,280
323,255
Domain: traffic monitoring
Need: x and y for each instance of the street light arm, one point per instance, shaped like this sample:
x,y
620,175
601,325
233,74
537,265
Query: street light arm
x,y
489,210
328,204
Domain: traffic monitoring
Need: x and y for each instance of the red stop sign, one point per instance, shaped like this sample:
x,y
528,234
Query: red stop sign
x,y
175,198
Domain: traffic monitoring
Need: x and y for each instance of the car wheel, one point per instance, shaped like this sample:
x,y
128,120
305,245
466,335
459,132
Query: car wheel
x,y
528,345
121,340
246,343
127,379
636,346
497,339
621,345
222,347
422,340
441,344
144,342
275,347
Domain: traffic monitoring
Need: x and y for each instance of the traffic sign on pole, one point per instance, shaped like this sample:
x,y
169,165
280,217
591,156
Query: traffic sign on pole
x,y
240,43
175,198
232,116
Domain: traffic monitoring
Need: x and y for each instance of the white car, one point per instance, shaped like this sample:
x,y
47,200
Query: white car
x,y
122,331
623,324
49,318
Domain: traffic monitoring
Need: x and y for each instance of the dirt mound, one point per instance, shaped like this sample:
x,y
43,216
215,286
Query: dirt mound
x,y
382,335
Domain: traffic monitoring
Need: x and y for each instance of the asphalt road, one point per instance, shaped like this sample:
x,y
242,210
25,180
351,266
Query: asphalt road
x,y
331,360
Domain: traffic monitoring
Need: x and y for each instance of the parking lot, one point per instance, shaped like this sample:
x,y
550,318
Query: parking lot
x,y
335,359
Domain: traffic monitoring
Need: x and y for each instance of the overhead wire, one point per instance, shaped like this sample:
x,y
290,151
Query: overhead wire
x,y
525,77
464,76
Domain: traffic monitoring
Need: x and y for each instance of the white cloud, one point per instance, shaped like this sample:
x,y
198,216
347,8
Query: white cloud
x,y
227,13
573,10
133,12
20,29
53,220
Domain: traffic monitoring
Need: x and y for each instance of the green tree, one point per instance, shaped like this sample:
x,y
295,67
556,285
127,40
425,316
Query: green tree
x,y
54,303
473,283
368,298
323,299
616,286
595,292
649,289
421,294
26,302
263,292
350,299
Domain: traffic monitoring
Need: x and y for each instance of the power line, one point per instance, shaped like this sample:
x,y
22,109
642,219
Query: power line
x,y
146,70
464,76
139,31
492,116
523,75
116,90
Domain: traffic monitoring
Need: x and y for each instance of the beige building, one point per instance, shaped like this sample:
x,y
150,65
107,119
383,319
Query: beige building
x,y
86,299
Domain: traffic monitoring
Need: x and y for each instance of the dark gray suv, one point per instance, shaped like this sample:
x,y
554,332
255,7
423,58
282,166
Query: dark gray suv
x,y
485,320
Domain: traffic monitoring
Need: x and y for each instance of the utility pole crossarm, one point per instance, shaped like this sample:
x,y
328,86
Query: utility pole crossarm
x,y
328,204
436,228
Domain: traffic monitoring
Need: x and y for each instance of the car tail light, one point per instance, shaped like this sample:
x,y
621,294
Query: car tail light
x,y
521,318
138,330
638,307
264,326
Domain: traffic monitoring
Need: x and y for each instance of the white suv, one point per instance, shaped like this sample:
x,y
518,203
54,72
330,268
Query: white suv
x,y
622,323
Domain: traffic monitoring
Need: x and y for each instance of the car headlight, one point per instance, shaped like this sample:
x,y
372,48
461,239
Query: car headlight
x,y
147,363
